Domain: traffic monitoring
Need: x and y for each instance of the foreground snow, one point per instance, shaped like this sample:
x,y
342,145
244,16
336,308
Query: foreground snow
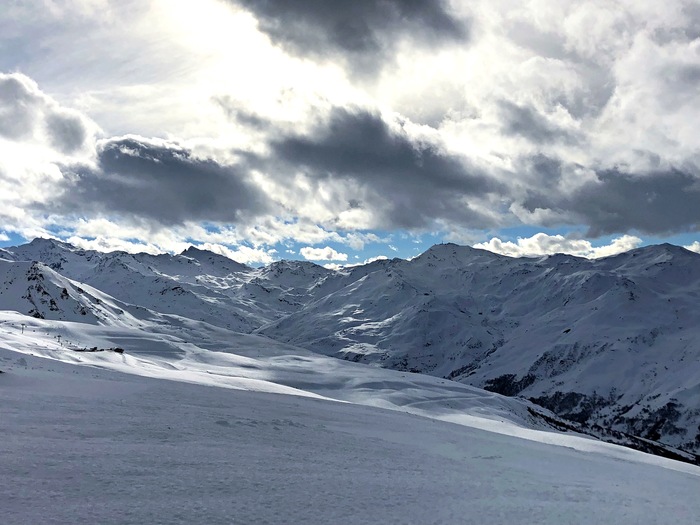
x,y
88,444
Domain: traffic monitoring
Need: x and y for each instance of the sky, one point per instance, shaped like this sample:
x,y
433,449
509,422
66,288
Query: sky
x,y
342,132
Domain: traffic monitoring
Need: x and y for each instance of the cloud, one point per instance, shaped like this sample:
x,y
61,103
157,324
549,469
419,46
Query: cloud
x,y
130,235
28,115
161,181
543,244
110,244
105,235
659,202
528,123
374,259
554,113
237,112
695,247
381,174
322,254
67,131
37,135
242,254
357,240
363,33
4,237
18,107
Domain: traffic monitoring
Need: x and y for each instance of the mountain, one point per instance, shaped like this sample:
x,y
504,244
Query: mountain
x,y
40,292
611,345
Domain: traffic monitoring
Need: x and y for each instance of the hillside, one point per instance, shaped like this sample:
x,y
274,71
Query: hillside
x,y
87,444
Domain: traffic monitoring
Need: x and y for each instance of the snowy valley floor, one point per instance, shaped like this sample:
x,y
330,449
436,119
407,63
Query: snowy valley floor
x,y
262,443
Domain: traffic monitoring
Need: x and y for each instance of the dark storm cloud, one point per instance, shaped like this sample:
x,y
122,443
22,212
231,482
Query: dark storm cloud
x,y
657,203
24,110
163,182
364,32
406,183
528,123
541,170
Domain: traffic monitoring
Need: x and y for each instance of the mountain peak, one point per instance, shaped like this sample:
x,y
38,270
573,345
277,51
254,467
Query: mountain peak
x,y
193,251
207,257
671,248
295,265
666,250
43,242
200,253
456,251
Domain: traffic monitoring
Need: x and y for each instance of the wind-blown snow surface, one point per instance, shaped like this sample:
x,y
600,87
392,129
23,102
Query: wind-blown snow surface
x,y
613,342
222,441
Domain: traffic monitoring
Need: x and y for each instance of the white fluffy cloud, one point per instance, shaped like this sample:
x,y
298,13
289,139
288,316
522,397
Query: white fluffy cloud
x,y
242,254
543,244
37,136
322,254
374,259
695,247
106,244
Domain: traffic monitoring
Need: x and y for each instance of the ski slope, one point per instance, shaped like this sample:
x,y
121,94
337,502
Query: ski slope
x,y
84,443
256,432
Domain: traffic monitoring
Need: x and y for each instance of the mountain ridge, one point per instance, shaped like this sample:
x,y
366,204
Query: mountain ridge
x,y
609,342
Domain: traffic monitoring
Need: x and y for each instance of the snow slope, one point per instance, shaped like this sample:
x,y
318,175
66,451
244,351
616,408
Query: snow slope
x,y
223,441
241,361
612,344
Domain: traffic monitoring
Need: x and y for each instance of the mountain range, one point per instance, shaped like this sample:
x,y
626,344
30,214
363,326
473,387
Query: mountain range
x,y
608,346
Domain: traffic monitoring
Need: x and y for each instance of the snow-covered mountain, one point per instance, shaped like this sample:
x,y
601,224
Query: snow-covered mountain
x,y
612,344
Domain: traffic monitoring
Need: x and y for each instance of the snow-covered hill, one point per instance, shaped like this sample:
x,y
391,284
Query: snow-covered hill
x,y
612,343
250,433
